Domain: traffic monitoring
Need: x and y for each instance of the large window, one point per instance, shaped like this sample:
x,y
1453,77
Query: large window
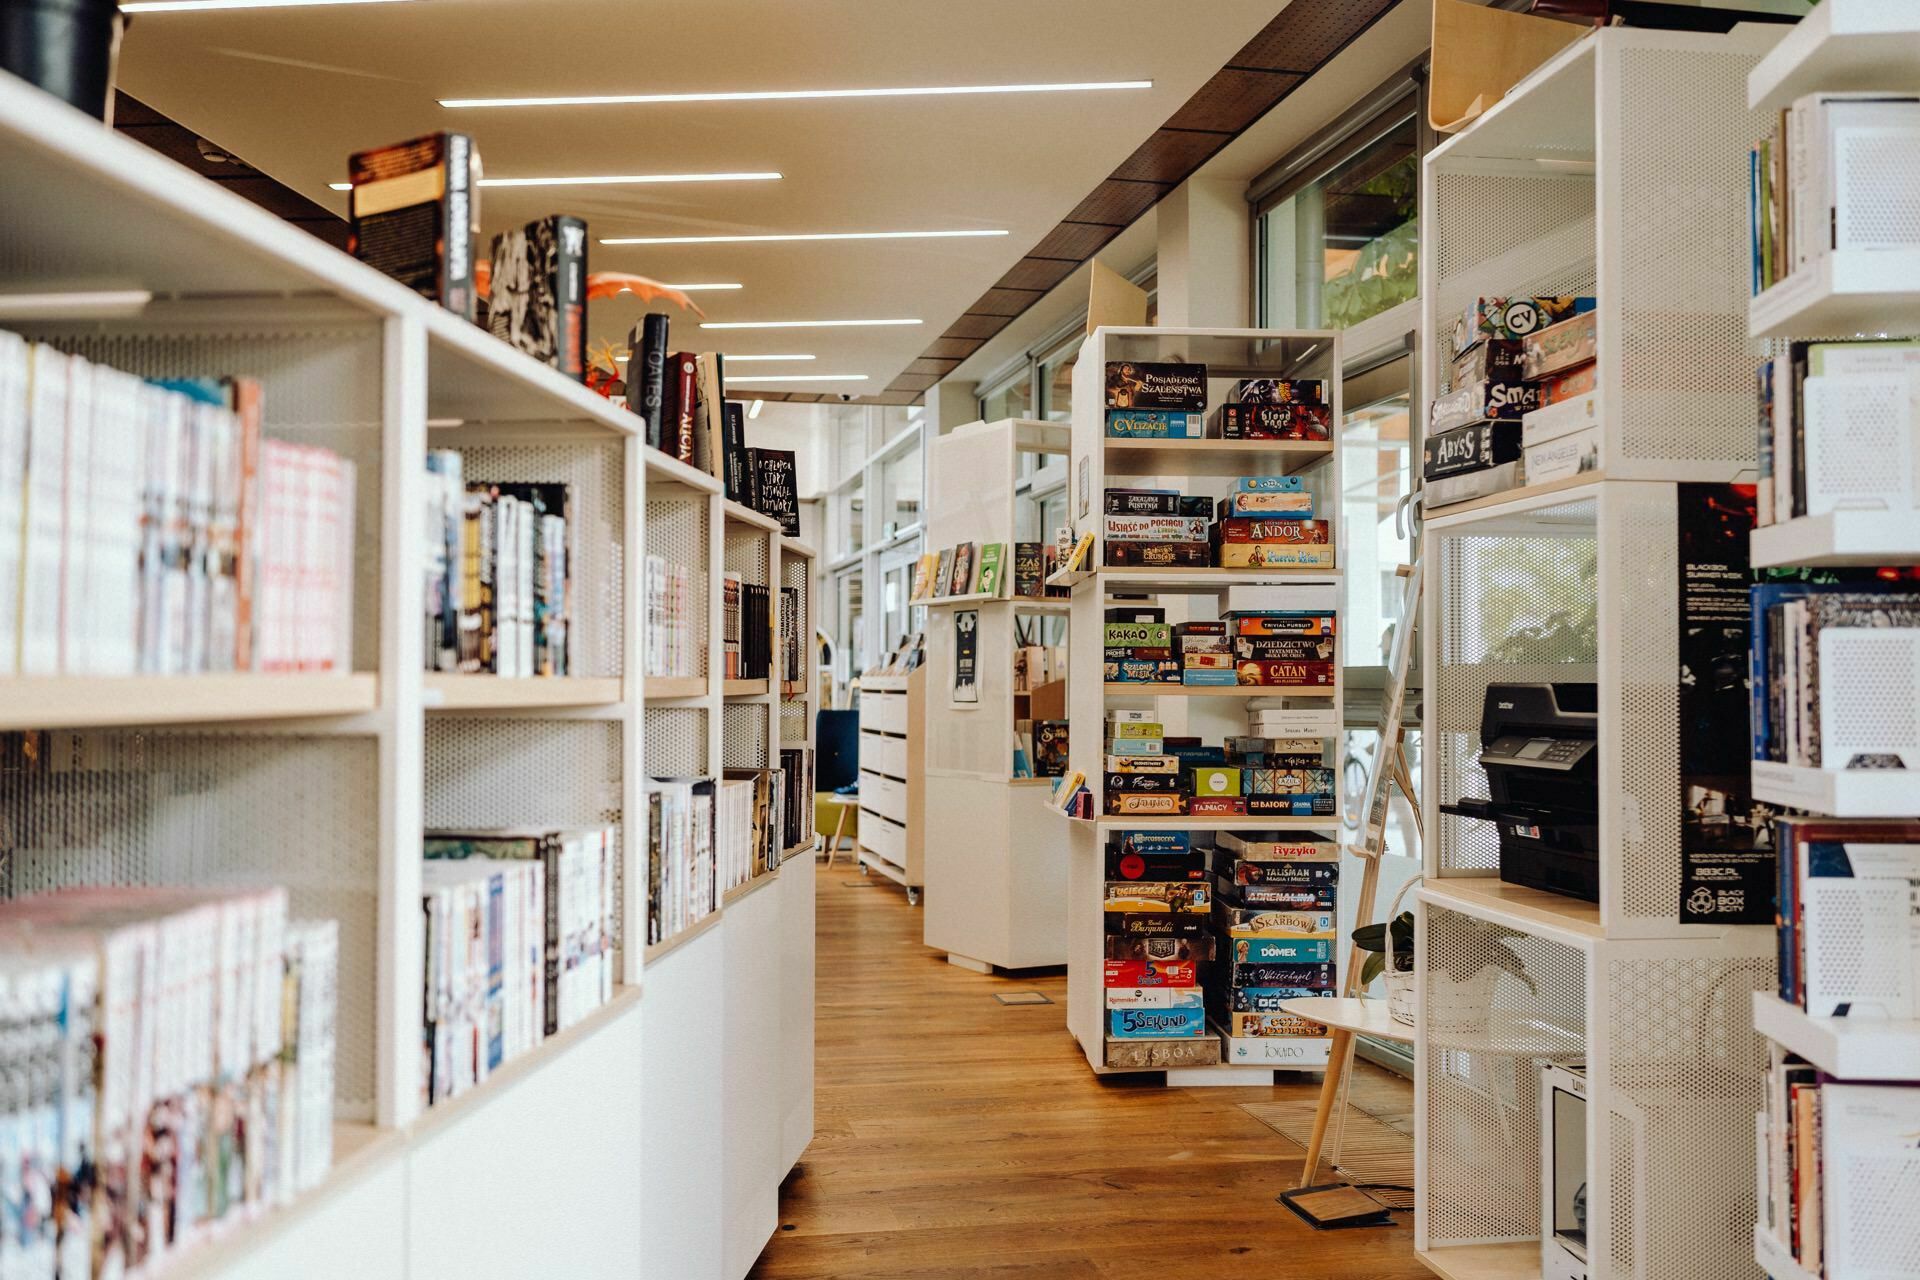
x,y
1011,398
1337,244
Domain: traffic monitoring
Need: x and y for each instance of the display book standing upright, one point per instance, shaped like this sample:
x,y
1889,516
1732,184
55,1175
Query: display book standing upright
x,y
363,760
1836,652
1593,853
1201,886
996,885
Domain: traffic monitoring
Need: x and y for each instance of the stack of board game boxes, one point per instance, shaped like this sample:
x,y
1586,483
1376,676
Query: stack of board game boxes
x,y
1156,924
1168,401
1275,900
1519,406
1293,649
1279,770
1266,522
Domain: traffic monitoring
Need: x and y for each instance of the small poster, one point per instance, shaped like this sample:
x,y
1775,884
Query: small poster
x,y
1726,854
966,657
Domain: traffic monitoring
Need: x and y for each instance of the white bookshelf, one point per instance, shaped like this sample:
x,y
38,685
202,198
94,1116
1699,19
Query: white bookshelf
x,y
647,1099
1842,45
1850,1048
892,839
996,885
1576,183
1839,538
1207,466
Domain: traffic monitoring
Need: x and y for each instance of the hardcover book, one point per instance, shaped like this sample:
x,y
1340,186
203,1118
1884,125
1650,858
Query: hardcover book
x,y
993,557
646,375
537,297
414,214
1029,570
774,489
943,574
680,400
961,583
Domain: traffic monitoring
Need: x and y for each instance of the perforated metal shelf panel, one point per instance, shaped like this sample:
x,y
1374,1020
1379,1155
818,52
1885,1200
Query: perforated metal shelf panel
x,y
213,810
675,742
596,534
678,532
743,735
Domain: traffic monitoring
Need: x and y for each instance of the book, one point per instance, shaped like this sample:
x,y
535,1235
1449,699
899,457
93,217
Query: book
x,y
537,298
775,487
923,570
960,582
1029,570
943,573
737,468
682,391
646,377
709,415
413,213
992,564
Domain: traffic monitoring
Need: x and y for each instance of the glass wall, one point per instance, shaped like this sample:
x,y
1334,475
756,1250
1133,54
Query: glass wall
x,y
1340,247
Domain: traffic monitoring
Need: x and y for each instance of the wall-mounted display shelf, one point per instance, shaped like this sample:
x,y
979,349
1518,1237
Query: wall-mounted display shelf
x,y
1849,1048
1841,46
996,878
360,764
1209,469
1839,538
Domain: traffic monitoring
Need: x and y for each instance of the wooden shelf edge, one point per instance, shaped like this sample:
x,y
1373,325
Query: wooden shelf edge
x,y
666,946
739,891
740,513
659,687
1519,1260
1530,910
1520,498
445,691
85,702
743,688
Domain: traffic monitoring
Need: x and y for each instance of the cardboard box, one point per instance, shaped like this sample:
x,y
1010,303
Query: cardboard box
x,y
1286,675
1157,764
1154,635
1269,805
1155,529
1144,671
1270,1025
1280,391
1158,896
1471,448
1142,784
1155,924
1142,384
1282,624
1281,950
1241,999
1216,806
1154,865
1573,341
1157,555
1141,747
1274,555
1286,722
1279,897
1280,504
1487,400
1244,871
1222,661
1171,950
1264,923
1272,422
1306,976
1155,997
1577,381
1501,359
1147,806
1278,846
1143,502
1214,781
1156,1024
1283,649
1153,424
1512,318
1562,419
1137,974
1567,456
1253,529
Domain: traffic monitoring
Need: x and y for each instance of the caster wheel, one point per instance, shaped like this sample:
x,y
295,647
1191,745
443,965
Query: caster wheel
x,y
913,897
863,869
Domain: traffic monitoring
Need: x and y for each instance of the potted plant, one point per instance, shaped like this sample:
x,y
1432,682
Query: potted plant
x,y
1459,991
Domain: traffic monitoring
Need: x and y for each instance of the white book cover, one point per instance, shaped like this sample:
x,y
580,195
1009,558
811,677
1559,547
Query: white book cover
x,y
1860,921
14,375
1870,1166
119,461
45,550
79,618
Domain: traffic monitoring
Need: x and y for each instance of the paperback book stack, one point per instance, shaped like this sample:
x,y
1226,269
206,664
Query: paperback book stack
x,y
682,879
746,622
169,1068
1477,441
1156,916
796,768
520,944
733,819
1822,654
794,645
498,590
151,528
668,609
1838,429
759,840
1275,898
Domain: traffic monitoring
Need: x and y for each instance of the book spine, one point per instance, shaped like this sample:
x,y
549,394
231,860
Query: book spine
x,y
686,391
646,372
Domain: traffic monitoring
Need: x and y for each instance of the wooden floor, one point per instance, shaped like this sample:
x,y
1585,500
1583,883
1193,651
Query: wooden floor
x,y
958,1137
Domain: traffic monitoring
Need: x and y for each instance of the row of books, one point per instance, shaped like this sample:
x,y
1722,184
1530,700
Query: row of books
x,y
1226,930
1284,649
521,934
1279,769
669,610
498,588
1520,405
1168,401
1831,668
520,938
1839,429
796,768
1846,916
750,824
746,628
796,645
1824,180
683,880
982,569
1265,522
1837,1162
151,528
168,1075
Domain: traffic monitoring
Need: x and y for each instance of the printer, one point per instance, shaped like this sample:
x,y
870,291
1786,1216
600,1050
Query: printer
x,y
1540,750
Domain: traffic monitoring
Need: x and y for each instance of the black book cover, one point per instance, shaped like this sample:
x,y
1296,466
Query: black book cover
x,y
647,374
775,488
538,297
1029,570
739,467
419,234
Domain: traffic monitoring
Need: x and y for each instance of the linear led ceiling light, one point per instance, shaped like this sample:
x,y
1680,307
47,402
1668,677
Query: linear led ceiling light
x,y
611,179
802,324
807,235
800,377
793,95
206,6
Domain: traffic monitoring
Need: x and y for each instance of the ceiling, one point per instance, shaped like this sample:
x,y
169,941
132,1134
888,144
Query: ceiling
x,y
296,90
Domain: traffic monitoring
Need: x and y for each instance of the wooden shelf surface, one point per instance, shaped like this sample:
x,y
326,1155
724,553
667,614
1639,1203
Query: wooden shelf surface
x,y
1213,457
1121,688
738,513
657,687
443,691
83,702
744,688
1518,1261
1530,910
656,950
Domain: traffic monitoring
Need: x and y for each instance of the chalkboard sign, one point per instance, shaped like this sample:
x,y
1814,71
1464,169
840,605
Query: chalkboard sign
x,y
777,488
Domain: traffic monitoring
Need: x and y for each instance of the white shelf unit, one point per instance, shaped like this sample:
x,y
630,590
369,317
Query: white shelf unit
x,y
1600,174
1843,45
1229,354
206,780
996,877
892,752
